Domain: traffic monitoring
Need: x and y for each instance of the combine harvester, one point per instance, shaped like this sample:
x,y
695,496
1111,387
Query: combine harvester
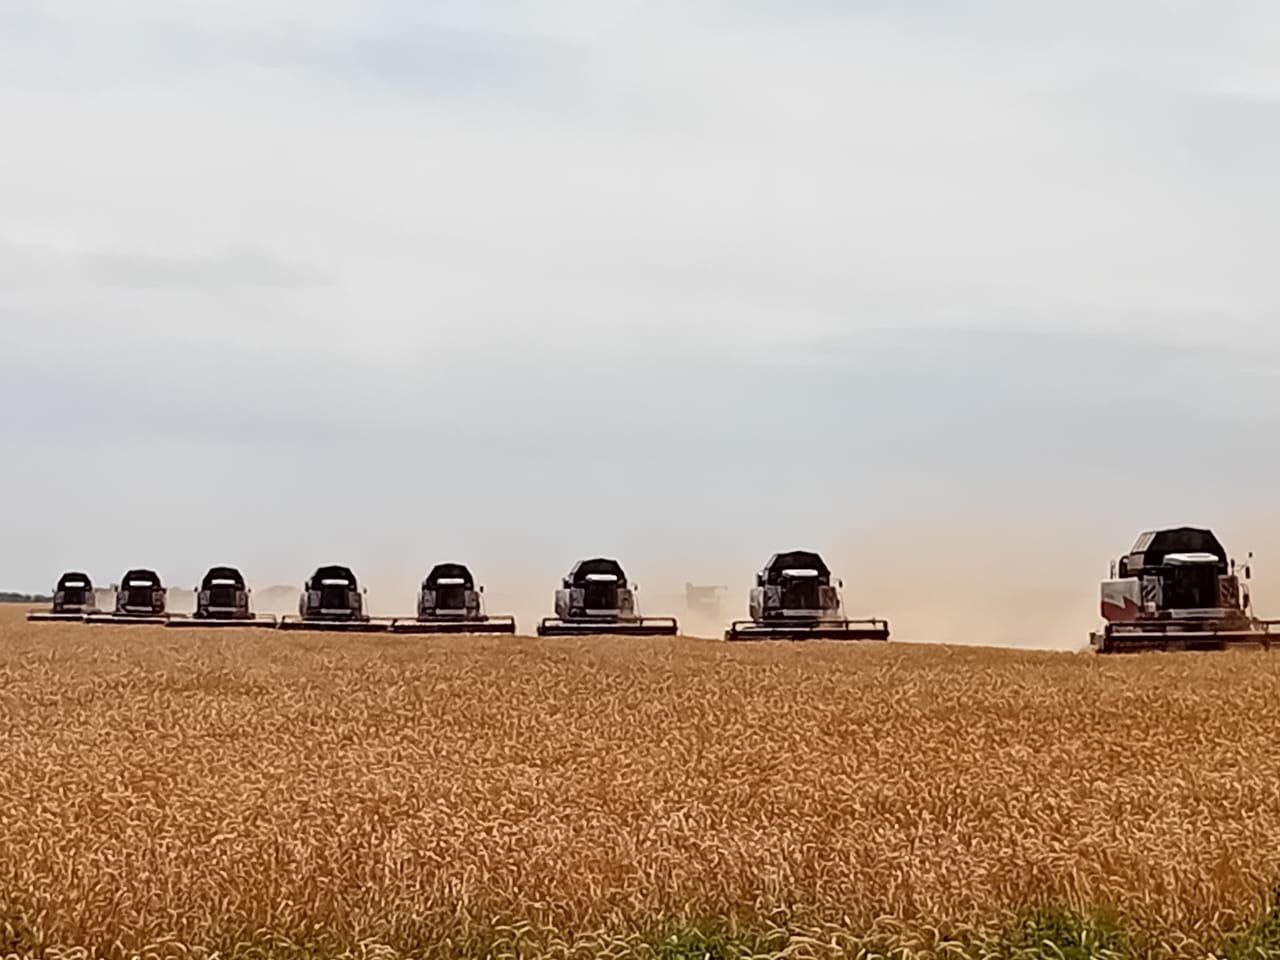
x,y
595,599
450,602
140,599
1176,590
222,600
333,601
703,600
794,599
73,600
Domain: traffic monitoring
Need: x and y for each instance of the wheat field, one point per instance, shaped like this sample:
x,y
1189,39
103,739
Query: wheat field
x,y
163,792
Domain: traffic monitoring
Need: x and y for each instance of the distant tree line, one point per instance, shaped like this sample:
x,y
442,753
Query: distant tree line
x,y
6,597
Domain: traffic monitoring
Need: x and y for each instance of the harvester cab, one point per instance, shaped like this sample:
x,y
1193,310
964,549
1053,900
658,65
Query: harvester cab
x,y
73,599
795,599
595,598
140,598
1177,590
449,601
222,600
333,600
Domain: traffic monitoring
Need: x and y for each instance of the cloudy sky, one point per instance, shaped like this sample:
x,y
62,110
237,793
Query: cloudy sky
x,y
961,294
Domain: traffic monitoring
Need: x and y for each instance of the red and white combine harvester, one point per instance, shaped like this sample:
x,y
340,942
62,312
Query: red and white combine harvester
x,y
1177,590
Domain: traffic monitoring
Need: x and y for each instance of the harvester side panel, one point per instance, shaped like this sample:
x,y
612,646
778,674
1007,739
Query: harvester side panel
x,y
1121,600
829,601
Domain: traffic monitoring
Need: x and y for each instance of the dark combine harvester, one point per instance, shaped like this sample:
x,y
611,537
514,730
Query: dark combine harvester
x,y
596,599
140,598
794,599
1177,590
450,602
73,600
222,600
332,600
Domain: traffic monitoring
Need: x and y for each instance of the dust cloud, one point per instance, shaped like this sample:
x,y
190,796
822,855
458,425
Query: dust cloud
x,y
937,582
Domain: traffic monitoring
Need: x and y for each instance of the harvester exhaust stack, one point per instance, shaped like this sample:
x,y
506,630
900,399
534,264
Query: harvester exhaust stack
x,y
596,599
450,602
332,601
795,599
1177,590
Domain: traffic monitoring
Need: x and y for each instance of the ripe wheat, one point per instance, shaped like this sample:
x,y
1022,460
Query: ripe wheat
x,y
182,788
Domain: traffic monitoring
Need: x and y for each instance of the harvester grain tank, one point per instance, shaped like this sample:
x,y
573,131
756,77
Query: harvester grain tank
x,y
1176,589
795,598
332,600
449,601
73,600
222,600
141,598
595,598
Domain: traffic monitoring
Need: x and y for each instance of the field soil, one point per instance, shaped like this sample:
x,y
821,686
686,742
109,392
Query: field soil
x,y
178,790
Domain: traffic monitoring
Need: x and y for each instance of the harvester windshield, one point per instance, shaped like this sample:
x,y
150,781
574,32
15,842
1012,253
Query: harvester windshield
x,y
335,586
601,581
451,582
1192,586
73,590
